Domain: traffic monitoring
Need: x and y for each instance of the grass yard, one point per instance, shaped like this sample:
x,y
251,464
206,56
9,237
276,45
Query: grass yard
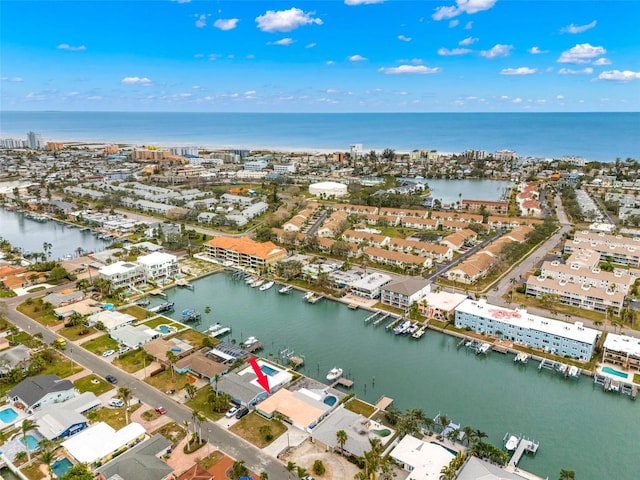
x,y
160,320
150,415
358,406
199,402
25,339
100,344
173,432
112,416
61,366
35,309
133,360
249,428
136,311
77,332
210,460
167,381
192,337
92,383
32,471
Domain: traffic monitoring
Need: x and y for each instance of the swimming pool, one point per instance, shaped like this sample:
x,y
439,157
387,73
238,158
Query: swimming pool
x,y
107,306
268,370
450,450
32,443
8,415
164,329
612,371
329,400
60,467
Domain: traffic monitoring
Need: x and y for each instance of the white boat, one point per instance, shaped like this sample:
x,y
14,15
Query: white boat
x,y
217,330
250,341
308,296
286,289
574,372
257,283
250,279
334,374
266,286
512,443
402,328
484,348
412,328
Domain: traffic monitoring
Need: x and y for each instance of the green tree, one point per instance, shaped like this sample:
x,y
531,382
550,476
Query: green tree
x,y
341,438
239,470
191,390
290,467
172,358
26,426
47,456
567,475
125,395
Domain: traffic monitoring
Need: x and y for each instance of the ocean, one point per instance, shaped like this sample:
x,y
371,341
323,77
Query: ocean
x,y
594,136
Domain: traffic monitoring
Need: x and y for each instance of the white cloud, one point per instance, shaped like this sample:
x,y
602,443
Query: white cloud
x,y
4,78
578,28
285,42
214,56
496,51
620,75
410,69
361,2
518,71
536,51
404,39
331,91
94,97
454,23
329,62
602,61
201,22
136,81
356,58
468,41
226,23
462,6
581,53
560,97
310,45
198,55
517,100
285,20
181,1
569,71
250,93
445,52
70,48
251,56
468,26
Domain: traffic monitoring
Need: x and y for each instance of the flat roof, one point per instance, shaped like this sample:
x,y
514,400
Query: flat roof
x,y
100,440
444,301
427,459
623,344
521,318
300,409
118,267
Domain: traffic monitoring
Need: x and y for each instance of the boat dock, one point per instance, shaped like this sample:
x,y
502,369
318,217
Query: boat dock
x,y
393,323
522,358
371,317
342,382
420,332
184,284
616,386
253,347
158,293
288,356
524,445
378,321
353,306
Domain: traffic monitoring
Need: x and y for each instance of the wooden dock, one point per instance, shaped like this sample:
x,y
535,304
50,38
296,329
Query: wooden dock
x,y
254,347
383,403
296,362
524,445
353,306
378,321
342,382
371,317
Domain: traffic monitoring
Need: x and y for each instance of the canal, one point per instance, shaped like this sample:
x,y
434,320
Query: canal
x,y
30,235
578,426
451,191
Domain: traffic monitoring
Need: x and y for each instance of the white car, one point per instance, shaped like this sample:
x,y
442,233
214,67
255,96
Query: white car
x,y
231,412
108,353
122,350
116,403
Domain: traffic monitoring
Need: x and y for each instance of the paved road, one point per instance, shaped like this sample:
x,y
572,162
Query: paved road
x,y
217,436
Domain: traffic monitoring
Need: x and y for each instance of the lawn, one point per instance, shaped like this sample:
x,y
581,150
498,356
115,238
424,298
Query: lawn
x,y
358,406
133,360
173,432
77,332
7,293
136,311
249,428
636,378
112,416
561,311
92,383
32,471
61,366
25,339
167,380
160,320
150,415
100,344
209,461
35,309
199,402
192,337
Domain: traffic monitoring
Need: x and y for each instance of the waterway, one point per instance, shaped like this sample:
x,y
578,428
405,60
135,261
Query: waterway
x,y
451,191
30,235
579,427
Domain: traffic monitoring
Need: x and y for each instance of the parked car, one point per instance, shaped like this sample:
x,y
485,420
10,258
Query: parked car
x,y
231,412
161,410
242,412
116,403
122,350
108,353
111,379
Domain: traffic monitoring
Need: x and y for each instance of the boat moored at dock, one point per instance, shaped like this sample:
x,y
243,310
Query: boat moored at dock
x,y
286,290
334,374
266,286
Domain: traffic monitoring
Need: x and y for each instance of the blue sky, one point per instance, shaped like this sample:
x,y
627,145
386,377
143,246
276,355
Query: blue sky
x,y
320,56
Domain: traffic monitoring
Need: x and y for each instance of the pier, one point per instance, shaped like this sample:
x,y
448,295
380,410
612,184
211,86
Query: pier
x,y
342,382
371,317
393,323
378,321
183,283
524,445
420,332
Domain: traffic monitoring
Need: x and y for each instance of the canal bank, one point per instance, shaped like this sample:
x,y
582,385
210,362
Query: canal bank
x,y
574,421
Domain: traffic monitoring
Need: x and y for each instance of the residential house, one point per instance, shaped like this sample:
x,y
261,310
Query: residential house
x,y
202,366
37,392
622,351
398,259
372,239
403,293
424,460
159,266
123,274
142,462
100,442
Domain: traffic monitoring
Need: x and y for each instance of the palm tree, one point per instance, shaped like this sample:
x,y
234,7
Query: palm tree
x,y
125,395
443,421
239,470
47,457
27,426
264,476
186,427
479,435
341,437
468,433
197,418
302,472
172,358
290,467
567,474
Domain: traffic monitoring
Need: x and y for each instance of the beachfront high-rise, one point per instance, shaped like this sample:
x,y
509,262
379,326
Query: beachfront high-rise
x,y
34,141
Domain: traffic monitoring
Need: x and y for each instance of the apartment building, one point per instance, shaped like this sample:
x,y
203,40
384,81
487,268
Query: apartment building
x,y
244,252
159,266
494,207
553,336
613,248
403,293
622,350
123,274
374,239
398,259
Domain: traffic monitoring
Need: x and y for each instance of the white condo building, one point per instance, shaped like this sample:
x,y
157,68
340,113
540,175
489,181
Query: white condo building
x,y
159,266
123,274
553,336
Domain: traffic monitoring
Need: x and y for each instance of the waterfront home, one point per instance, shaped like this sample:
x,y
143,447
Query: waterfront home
x,y
475,468
111,319
123,274
494,207
62,299
244,252
159,266
144,461
553,336
134,337
200,365
425,460
87,306
440,305
403,212
159,347
622,350
38,392
370,285
302,408
243,387
619,249
100,443
398,259
63,420
456,217
403,293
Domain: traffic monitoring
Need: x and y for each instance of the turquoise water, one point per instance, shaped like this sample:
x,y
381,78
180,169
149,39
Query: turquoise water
x,y
268,370
614,372
60,467
8,415
163,329
329,400
32,443
486,392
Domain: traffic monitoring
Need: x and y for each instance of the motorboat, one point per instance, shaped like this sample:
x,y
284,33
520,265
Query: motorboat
x,y
308,296
266,286
258,282
286,290
512,443
217,330
402,328
250,279
249,341
334,374
484,348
